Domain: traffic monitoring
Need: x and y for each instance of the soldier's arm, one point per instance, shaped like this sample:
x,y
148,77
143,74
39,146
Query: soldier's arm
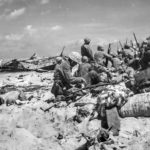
x,y
131,73
109,57
70,79
90,53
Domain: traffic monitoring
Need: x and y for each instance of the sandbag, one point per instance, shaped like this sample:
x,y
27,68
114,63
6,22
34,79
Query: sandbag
x,y
137,106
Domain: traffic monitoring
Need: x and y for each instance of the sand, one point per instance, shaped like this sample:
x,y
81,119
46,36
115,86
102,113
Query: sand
x,y
27,127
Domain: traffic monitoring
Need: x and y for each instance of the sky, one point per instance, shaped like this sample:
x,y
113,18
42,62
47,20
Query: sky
x,y
45,26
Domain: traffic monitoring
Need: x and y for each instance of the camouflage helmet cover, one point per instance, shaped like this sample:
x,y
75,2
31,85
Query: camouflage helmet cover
x,y
75,56
58,59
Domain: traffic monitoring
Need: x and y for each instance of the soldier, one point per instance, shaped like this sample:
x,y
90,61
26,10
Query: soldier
x,y
93,77
116,62
145,60
86,50
128,52
142,81
148,43
134,63
62,75
84,68
128,72
99,56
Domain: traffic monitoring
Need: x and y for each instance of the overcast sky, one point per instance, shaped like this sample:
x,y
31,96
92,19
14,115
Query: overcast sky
x,y
44,26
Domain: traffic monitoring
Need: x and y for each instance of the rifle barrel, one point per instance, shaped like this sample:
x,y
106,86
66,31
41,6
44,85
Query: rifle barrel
x,y
108,51
121,45
136,40
93,86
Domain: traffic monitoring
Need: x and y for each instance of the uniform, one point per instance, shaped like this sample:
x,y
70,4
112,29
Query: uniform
x,y
128,53
87,51
145,61
63,78
116,62
99,57
83,69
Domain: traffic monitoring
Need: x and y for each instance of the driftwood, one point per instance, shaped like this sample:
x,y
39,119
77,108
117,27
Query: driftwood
x,y
15,66
33,63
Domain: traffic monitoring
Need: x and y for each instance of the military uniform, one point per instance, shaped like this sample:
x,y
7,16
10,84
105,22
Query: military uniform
x,y
134,63
145,60
63,78
128,52
142,79
83,69
116,62
100,58
128,77
93,77
87,51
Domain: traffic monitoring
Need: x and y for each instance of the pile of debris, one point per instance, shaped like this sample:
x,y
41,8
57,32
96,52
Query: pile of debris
x,y
31,119
34,63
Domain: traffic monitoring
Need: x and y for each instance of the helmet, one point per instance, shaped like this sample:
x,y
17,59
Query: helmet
x,y
100,48
58,59
85,59
75,56
148,38
114,54
126,46
87,40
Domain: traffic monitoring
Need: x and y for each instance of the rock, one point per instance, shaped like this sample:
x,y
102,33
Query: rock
x,y
94,125
12,96
47,96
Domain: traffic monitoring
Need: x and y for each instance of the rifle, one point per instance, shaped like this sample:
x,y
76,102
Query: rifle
x,y
121,45
136,40
82,104
73,94
61,54
109,48
126,41
108,52
92,86
131,42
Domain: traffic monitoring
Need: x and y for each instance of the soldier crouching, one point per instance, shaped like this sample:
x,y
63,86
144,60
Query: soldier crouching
x,y
63,79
